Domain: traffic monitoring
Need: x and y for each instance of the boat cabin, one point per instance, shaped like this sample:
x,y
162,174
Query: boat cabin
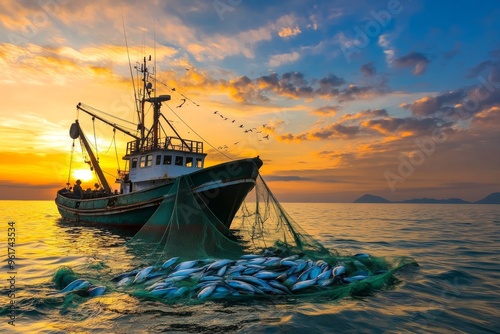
x,y
157,162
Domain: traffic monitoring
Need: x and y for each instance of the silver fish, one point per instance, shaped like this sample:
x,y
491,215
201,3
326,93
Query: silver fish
x,y
142,275
76,285
206,291
271,261
264,274
315,271
73,285
169,263
290,281
186,265
219,264
279,286
163,291
96,291
240,285
184,272
180,292
325,275
222,271
303,284
125,281
339,270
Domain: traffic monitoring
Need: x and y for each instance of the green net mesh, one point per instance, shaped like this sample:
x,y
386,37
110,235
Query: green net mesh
x,y
183,226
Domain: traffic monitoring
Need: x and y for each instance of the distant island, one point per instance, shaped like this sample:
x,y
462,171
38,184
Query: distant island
x,y
493,198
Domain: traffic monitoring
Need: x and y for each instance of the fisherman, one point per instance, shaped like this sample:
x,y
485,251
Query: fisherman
x,y
77,190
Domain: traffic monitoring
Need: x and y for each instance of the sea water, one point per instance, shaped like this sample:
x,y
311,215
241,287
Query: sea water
x,y
455,288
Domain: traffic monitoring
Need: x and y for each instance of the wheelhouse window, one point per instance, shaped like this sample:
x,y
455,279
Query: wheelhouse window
x,y
167,159
158,159
146,161
149,160
189,162
199,163
134,163
179,160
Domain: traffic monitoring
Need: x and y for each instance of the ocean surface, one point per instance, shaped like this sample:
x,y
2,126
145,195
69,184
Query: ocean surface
x,y
454,289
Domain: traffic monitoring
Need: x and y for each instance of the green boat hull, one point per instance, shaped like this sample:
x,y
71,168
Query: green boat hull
x,y
221,188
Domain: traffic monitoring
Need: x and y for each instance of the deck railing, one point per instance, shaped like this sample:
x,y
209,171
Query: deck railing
x,y
169,143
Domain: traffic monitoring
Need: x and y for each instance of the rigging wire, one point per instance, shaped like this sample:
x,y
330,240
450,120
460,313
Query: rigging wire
x,y
130,64
95,139
71,162
196,133
109,115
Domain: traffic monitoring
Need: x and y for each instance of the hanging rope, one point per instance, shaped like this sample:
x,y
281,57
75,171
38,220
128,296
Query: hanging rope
x,y
95,139
71,161
116,151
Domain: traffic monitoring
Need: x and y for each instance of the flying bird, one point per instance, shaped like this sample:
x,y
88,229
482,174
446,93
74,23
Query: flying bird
x,y
266,136
241,125
183,101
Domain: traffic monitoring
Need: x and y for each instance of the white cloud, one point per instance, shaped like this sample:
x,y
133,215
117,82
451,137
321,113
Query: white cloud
x,y
284,58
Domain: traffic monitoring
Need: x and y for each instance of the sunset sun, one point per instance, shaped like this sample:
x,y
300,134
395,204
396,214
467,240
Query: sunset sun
x,y
84,175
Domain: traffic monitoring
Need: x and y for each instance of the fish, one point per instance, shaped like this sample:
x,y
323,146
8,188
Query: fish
x,y
303,284
240,285
96,290
75,286
222,271
339,270
219,264
162,291
315,271
167,264
186,265
279,286
125,281
206,291
142,275
264,274
184,272
253,274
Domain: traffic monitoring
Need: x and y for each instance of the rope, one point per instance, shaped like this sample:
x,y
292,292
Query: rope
x,y
71,161
95,139
116,151
196,133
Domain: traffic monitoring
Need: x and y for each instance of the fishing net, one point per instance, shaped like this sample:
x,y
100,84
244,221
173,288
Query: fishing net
x,y
184,226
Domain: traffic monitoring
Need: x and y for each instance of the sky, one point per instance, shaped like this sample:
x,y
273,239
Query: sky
x,y
399,99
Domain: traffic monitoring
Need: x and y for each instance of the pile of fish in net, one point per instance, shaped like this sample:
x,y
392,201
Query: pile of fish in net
x,y
251,275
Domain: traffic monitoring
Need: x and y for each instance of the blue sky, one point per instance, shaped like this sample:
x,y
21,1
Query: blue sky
x,y
395,98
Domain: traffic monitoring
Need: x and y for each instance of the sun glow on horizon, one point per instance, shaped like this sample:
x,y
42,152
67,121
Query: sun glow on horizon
x,y
84,175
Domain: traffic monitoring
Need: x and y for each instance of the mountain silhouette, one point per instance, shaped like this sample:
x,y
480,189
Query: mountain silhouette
x,y
493,198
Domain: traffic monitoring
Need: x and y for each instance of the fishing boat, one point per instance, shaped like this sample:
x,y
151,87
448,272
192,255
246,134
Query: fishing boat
x,y
154,160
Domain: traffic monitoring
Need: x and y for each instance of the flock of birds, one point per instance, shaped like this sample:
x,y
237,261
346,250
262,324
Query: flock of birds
x,y
245,129
251,275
